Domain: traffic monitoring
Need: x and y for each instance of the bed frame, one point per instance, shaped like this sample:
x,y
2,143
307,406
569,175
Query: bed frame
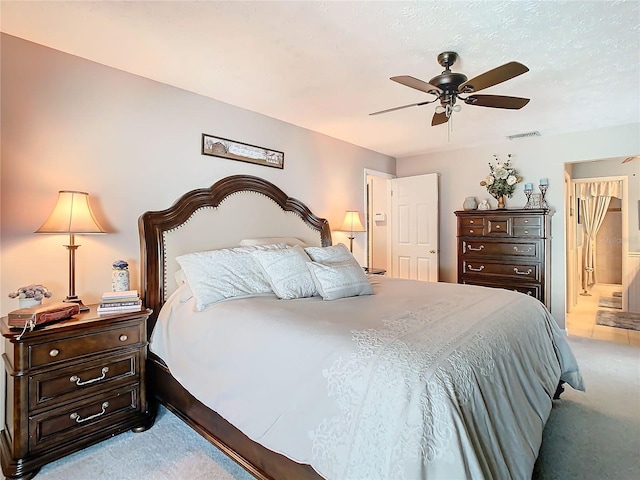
x,y
234,208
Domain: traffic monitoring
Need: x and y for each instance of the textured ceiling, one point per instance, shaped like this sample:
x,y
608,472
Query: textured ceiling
x,y
326,65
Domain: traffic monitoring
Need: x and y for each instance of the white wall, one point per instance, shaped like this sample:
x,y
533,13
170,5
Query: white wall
x,y
134,145
534,158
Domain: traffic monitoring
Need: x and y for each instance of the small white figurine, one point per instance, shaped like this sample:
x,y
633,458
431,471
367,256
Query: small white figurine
x,y
484,205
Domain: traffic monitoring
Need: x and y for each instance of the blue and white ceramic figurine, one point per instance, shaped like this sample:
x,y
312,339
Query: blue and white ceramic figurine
x,y
120,276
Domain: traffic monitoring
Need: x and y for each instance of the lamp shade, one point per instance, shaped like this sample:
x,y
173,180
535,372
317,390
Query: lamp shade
x,y
72,214
352,222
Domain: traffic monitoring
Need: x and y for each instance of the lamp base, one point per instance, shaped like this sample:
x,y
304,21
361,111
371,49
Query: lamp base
x,y
75,299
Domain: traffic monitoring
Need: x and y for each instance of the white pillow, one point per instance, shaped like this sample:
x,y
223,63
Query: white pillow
x,y
288,241
339,280
287,272
334,254
216,275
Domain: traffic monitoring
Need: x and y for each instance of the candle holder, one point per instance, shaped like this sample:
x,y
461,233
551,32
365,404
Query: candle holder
x,y
528,194
543,192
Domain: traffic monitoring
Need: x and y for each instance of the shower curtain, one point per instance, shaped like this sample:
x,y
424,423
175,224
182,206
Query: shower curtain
x,y
594,201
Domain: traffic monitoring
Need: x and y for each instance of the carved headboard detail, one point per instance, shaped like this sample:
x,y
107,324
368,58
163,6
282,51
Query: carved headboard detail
x,y
234,208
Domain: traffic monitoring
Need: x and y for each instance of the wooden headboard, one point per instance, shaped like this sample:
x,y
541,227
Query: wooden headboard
x,y
234,208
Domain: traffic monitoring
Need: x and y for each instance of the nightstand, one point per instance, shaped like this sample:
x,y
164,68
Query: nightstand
x,y
71,384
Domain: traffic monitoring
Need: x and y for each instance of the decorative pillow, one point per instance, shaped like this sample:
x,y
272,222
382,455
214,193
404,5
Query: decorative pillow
x,y
334,254
339,280
288,241
287,272
216,275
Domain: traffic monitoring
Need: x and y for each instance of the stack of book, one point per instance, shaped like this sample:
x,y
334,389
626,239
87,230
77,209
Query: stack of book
x,y
119,302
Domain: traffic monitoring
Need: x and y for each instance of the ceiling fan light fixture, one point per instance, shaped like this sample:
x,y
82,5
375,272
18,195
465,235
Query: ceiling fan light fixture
x,y
440,109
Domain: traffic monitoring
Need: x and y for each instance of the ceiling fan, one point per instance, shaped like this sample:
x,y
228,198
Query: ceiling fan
x,y
449,86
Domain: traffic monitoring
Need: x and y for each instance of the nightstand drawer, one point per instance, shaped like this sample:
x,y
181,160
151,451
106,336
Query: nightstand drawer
x,y
80,419
81,346
66,384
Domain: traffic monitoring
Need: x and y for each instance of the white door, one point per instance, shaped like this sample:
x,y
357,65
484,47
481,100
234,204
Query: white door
x,y
414,227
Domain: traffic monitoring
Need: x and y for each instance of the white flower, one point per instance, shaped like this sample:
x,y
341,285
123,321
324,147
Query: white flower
x,y
511,179
501,173
489,180
499,166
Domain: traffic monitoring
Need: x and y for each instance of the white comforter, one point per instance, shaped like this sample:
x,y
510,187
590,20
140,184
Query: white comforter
x,y
420,380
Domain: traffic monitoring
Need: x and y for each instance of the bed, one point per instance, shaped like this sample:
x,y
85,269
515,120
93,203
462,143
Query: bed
x,y
392,379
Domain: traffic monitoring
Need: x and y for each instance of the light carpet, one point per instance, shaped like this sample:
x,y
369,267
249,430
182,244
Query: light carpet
x,y
589,436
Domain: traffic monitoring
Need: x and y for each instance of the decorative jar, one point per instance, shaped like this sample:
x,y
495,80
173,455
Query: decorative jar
x,y
470,203
120,276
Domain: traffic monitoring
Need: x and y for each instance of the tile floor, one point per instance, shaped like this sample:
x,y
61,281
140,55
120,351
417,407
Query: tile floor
x,y
581,322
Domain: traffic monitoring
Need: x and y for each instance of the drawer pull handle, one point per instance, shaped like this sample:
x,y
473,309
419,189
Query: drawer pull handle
x,y
526,221
470,230
518,272
75,379
479,269
515,249
471,221
76,417
54,352
526,231
475,249
497,226
123,338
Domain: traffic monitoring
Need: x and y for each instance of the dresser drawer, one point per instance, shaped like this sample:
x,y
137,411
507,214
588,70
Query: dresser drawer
x,y
480,248
67,349
498,226
83,418
70,383
524,272
531,290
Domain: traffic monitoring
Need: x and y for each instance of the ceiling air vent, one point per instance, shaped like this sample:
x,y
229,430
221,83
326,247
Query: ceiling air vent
x,y
518,136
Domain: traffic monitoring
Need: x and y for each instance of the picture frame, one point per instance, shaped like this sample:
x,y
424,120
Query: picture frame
x,y
243,152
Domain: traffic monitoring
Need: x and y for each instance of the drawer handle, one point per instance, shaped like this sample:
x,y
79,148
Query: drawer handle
x,y
475,269
526,221
54,352
470,230
497,226
76,417
526,231
123,338
475,249
518,272
75,379
515,249
470,221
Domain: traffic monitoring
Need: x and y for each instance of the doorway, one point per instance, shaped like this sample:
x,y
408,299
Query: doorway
x,y
598,284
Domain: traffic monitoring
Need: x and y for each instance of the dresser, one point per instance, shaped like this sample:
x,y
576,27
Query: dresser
x,y
506,249
71,384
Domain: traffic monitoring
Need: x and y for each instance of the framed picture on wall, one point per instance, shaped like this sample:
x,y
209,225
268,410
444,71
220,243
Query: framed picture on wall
x,y
243,152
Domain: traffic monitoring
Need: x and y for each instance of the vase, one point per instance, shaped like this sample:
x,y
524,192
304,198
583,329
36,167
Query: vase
x,y
470,203
501,204
28,302
119,280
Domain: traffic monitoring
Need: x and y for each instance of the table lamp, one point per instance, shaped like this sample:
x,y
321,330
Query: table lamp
x,y
352,224
72,214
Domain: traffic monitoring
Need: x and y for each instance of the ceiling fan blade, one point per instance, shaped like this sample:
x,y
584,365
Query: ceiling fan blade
x,y
493,77
400,108
439,119
417,84
628,159
497,101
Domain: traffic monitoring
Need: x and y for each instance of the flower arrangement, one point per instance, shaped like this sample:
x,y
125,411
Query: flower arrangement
x,y
502,178
120,265
37,292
